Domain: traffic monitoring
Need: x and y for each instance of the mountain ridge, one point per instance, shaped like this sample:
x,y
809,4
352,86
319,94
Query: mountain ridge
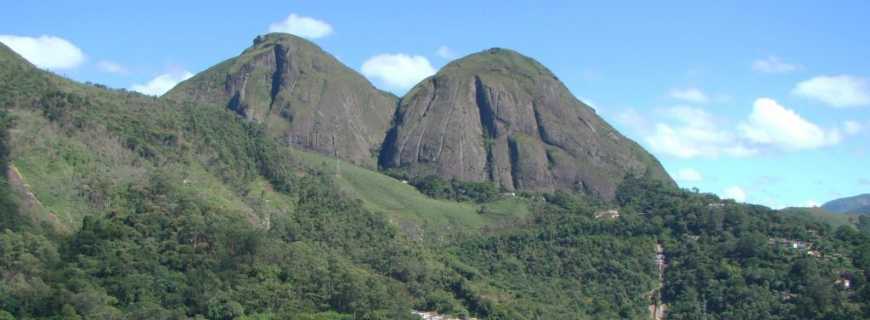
x,y
500,116
495,115
854,204
300,93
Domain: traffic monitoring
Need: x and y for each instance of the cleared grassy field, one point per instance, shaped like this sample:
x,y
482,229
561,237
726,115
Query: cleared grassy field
x,y
409,208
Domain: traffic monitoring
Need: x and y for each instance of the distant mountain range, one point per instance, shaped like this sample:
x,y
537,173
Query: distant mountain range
x,y
855,204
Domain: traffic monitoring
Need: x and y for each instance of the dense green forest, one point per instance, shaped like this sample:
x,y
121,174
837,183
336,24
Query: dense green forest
x,y
152,209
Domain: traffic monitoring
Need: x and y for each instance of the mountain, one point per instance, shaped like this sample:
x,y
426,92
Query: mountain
x,y
493,116
854,204
500,116
299,93
117,205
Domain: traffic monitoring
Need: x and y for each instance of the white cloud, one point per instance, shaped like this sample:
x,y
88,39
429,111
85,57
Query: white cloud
x,y
852,127
774,125
811,204
445,52
302,26
688,132
736,193
773,64
398,71
694,133
111,67
839,91
689,175
693,95
47,52
162,83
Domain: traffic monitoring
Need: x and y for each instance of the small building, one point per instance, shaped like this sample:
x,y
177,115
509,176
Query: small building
x,y
792,244
607,214
844,280
800,245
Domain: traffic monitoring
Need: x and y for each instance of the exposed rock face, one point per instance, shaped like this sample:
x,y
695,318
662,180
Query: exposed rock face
x,y
299,92
500,116
494,115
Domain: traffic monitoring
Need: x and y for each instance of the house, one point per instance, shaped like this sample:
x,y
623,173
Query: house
x,y
845,283
607,214
715,205
798,245
844,280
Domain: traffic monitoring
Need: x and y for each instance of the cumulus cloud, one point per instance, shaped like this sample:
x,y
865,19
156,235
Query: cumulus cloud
x,y
693,132
693,95
397,71
690,132
735,192
302,26
47,52
689,175
162,83
839,91
773,64
445,52
111,67
774,125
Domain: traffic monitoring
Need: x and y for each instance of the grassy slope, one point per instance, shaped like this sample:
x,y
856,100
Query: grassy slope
x,y
104,142
75,174
821,215
413,211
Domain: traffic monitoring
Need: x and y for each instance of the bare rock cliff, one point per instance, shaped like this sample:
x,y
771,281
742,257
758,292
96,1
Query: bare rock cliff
x,y
300,93
500,116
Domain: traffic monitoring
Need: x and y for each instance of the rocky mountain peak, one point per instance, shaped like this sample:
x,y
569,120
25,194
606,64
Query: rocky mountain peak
x,y
301,93
500,116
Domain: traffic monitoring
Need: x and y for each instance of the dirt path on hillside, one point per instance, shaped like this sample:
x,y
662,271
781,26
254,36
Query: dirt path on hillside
x,y
657,309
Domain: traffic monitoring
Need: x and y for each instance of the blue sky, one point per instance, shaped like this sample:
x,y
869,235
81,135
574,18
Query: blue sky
x,y
766,102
